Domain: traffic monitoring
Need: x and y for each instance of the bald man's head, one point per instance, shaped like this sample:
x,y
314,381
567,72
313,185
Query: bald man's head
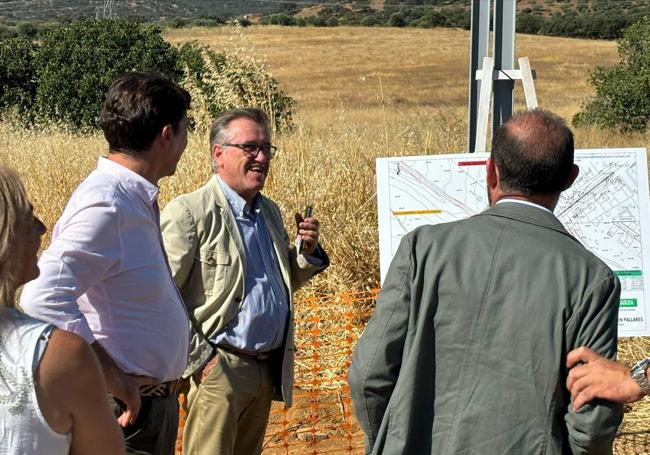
x,y
533,152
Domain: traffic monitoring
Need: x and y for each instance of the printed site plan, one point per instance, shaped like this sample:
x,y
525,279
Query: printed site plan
x,y
606,209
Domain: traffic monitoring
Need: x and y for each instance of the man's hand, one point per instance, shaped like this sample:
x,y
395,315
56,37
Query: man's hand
x,y
599,377
125,387
308,232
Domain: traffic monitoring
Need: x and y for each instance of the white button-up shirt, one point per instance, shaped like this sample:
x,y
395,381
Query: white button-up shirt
x,y
105,275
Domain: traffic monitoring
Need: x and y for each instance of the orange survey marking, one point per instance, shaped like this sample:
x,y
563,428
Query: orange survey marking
x,y
416,212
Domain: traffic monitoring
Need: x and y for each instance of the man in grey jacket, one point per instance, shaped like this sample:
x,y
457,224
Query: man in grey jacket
x,y
465,351
236,269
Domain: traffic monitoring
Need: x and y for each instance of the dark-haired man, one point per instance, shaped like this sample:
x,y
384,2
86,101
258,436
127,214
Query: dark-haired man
x,y
236,269
465,352
105,276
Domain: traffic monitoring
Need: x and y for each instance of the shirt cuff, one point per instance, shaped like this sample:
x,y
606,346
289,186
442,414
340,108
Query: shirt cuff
x,y
80,327
316,258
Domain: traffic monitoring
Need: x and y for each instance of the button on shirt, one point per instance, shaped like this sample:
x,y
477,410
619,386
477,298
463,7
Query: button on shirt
x,y
105,276
260,324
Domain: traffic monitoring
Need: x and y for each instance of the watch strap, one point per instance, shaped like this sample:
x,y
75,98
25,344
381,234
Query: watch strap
x,y
638,373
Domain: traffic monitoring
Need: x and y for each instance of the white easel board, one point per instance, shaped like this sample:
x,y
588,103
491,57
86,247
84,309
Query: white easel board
x,y
607,209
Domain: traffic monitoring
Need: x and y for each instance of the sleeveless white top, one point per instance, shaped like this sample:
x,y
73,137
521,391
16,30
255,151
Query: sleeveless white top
x,y
23,429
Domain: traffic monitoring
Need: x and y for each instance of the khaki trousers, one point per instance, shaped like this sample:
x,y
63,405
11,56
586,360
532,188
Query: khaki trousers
x,y
228,408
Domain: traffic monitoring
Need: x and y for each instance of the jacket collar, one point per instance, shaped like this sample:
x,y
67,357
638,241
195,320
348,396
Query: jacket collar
x,y
527,214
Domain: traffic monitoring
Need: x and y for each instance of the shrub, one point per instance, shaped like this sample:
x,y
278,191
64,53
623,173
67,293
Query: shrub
x,y
332,22
317,21
432,19
242,22
396,20
177,22
76,63
27,29
529,23
622,97
220,81
281,19
369,21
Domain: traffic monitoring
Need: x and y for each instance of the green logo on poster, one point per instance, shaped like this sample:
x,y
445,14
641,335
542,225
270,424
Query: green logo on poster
x,y
628,303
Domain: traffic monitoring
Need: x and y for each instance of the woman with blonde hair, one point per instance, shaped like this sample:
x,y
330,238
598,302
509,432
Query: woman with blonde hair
x,y
52,394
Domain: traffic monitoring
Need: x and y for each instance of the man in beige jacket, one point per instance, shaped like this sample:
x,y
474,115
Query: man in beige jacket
x,y
232,260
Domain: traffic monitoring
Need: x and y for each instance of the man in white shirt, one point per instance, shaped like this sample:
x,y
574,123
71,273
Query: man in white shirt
x,y
105,275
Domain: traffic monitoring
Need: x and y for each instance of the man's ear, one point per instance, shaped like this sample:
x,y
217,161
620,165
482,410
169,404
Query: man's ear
x,y
216,151
573,175
166,133
492,176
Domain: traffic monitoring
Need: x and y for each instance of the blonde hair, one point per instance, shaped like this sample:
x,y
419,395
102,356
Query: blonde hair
x,y
14,205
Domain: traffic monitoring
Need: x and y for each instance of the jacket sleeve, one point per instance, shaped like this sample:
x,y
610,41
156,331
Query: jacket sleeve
x,y
377,357
301,268
179,234
593,428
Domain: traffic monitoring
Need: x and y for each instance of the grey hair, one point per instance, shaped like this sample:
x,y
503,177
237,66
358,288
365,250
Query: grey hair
x,y
14,205
219,129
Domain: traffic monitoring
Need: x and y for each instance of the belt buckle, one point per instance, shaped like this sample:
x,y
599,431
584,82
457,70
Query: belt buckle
x,y
161,390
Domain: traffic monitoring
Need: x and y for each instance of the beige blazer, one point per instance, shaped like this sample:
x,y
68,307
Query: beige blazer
x,y
208,264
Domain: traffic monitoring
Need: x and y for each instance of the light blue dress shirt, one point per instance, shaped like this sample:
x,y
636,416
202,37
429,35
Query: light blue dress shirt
x,y
260,325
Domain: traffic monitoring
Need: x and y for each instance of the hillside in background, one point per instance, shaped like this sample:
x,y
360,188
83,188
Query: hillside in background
x,y
604,19
147,9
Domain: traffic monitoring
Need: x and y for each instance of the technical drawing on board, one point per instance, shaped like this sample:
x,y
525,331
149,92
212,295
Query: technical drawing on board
x,y
606,209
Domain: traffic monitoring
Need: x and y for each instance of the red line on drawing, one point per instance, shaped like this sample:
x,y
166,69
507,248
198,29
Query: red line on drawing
x,y
472,163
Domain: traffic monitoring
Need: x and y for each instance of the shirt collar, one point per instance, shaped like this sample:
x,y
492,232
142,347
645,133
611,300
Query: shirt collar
x,y
141,186
519,201
238,203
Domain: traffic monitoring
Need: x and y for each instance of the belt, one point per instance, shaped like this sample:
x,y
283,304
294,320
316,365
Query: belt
x,y
245,354
161,390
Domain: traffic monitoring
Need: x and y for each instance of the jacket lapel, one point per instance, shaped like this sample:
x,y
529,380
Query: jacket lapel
x,y
228,218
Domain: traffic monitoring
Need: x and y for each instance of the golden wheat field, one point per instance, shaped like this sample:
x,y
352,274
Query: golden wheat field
x,y
362,93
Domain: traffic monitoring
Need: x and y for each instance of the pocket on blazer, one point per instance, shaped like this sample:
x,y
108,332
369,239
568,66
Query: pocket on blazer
x,y
214,264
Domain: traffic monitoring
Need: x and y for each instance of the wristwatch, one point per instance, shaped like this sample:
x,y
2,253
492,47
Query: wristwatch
x,y
638,373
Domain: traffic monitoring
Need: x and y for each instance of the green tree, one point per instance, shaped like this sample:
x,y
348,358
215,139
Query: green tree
x,y
369,21
432,19
332,22
529,23
396,20
76,63
622,97
282,19
17,75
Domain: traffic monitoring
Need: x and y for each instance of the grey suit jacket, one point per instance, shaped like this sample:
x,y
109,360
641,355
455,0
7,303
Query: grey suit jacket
x,y
207,260
465,353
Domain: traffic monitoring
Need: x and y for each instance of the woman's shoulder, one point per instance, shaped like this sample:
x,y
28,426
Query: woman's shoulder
x,y
68,355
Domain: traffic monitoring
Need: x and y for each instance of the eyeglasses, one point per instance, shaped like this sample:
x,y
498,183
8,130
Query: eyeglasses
x,y
252,149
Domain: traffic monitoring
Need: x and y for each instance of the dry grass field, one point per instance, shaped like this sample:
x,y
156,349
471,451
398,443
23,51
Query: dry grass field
x,y
362,93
